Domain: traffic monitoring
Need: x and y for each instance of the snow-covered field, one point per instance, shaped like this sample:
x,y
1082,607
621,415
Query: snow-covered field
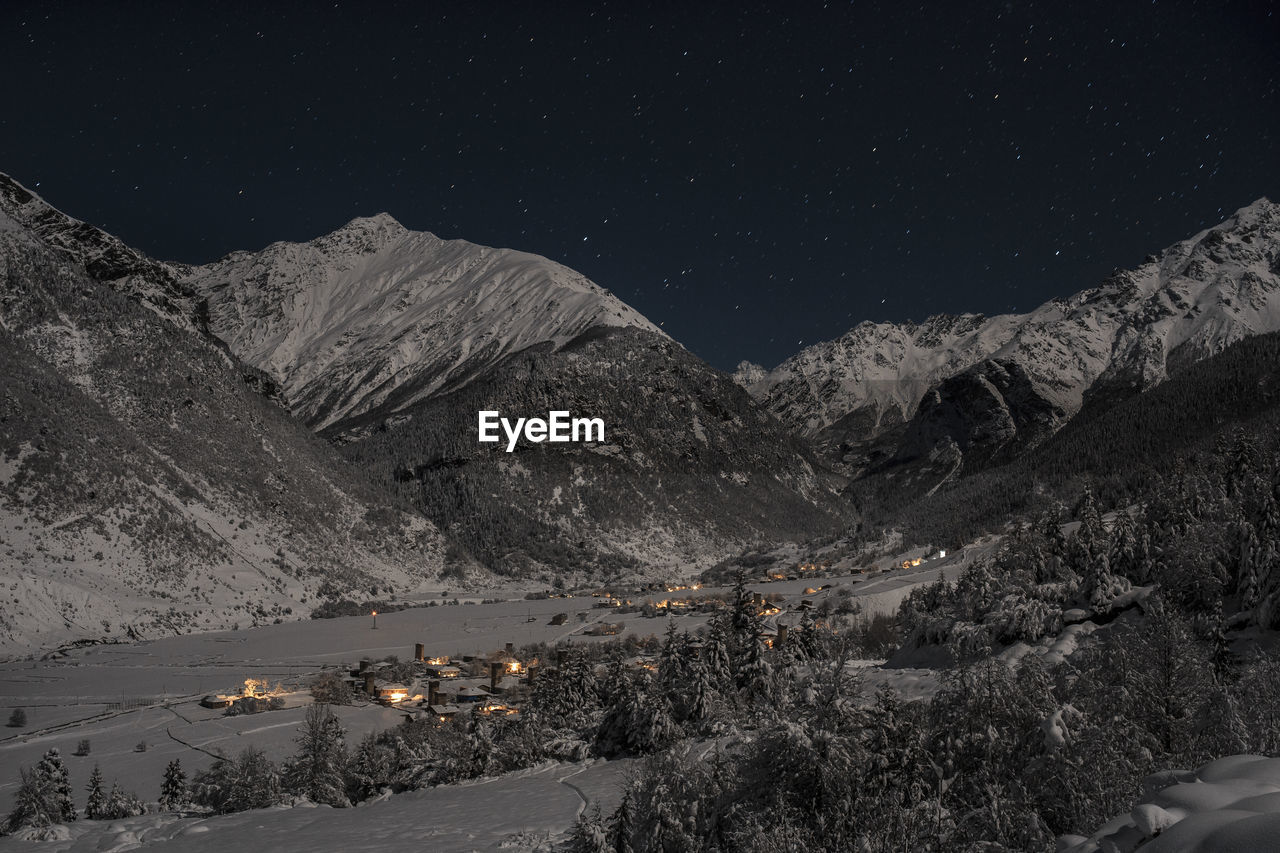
x,y
527,810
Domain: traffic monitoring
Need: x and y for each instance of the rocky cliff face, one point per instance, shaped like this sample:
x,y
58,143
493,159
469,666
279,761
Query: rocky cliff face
x,y
104,257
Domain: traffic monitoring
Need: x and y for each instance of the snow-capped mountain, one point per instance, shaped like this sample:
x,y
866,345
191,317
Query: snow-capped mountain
x,y
374,318
145,487
391,340
996,381
882,369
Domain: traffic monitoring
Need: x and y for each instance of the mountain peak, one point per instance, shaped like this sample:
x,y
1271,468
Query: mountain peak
x,y
363,235
1262,210
379,221
373,318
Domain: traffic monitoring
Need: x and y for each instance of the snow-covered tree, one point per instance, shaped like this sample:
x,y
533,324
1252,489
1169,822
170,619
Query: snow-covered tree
x,y
32,805
622,826
638,720
1219,727
96,806
173,791
52,769
716,652
589,834
756,676
652,725
317,770
121,804
704,700
370,769
250,781
480,746
566,696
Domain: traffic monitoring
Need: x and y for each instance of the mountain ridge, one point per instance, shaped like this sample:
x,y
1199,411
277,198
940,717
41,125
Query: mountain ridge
x,y
373,317
1187,302
146,489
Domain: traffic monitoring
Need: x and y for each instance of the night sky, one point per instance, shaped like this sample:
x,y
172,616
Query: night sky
x,y
753,177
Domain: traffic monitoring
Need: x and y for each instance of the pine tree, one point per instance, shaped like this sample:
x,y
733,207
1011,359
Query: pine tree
x,y
96,807
676,664
251,781
651,724
122,804
613,734
173,791
622,826
567,696
1170,672
744,622
52,769
589,834
716,653
33,805
367,772
756,677
703,697
1265,560
317,770
1247,552
1220,727
1124,555
480,747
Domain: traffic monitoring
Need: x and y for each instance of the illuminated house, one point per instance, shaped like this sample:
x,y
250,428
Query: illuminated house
x,y
764,607
445,670
494,708
392,693
252,689
444,711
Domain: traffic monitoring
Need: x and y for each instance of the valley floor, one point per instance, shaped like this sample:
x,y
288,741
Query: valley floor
x,y
120,697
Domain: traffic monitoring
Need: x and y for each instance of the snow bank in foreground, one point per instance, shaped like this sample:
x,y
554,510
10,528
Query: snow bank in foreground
x,y
530,810
1232,804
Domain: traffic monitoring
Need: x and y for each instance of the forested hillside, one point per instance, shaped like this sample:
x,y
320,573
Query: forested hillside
x,y
690,469
1118,448
146,488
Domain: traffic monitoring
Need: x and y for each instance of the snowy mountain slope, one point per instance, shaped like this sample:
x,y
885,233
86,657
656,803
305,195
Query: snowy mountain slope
x,y
880,369
145,489
374,318
691,469
104,256
391,340
992,382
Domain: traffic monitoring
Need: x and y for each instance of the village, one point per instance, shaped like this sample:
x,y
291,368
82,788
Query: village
x,y
196,697
496,683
